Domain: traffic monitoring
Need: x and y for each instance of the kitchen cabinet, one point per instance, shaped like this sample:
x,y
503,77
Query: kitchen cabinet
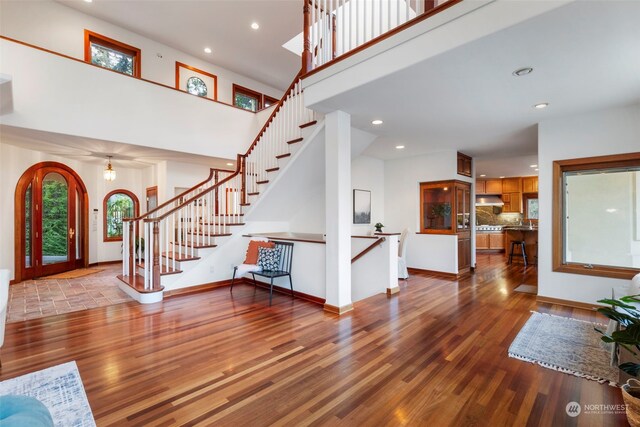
x,y
530,184
511,185
464,165
489,241
488,186
445,207
512,202
482,241
464,254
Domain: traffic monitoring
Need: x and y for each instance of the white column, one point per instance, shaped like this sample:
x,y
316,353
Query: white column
x,y
338,211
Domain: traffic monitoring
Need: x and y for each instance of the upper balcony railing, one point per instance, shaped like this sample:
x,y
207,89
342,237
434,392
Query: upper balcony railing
x,y
335,29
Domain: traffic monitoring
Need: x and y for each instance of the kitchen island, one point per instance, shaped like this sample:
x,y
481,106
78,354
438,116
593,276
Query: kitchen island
x,y
529,234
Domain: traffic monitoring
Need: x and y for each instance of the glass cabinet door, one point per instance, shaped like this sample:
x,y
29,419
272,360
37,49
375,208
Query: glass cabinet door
x,y
436,207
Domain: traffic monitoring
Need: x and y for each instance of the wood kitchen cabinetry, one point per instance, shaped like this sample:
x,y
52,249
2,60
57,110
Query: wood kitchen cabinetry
x,y
488,186
464,165
512,195
489,241
530,184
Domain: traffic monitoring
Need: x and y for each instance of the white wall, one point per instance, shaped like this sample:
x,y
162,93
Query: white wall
x,y
613,131
402,179
55,94
14,161
367,173
51,25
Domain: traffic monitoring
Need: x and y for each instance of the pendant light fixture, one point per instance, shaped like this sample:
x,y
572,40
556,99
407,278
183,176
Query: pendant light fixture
x,y
109,173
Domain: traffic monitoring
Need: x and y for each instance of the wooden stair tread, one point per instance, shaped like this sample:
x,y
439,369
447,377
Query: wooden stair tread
x,y
196,246
202,233
221,225
262,182
294,141
179,257
272,169
253,194
245,204
308,124
162,273
282,156
137,283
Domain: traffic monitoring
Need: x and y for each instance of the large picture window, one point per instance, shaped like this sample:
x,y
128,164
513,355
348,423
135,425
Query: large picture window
x,y
118,204
596,212
111,54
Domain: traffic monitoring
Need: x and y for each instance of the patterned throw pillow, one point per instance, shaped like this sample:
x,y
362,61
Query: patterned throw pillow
x,y
269,259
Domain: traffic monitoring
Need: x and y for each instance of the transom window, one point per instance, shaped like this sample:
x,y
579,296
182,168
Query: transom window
x,y
196,86
246,98
111,54
597,216
118,205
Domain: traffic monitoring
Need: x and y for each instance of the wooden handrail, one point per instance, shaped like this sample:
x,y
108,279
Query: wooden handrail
x,y
368,249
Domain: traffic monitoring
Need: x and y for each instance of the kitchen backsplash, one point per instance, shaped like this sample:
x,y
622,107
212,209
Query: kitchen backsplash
x,y
485,216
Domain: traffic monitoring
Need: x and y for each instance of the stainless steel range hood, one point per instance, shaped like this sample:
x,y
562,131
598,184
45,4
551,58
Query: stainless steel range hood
x,y
489,201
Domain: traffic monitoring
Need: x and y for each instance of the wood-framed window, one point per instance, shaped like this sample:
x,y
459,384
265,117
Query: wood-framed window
x,y
196,82
246,98
596,216
111,54
268,101
116,206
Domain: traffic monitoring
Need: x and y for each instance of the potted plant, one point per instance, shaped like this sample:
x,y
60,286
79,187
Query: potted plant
x,y
378,227
628,338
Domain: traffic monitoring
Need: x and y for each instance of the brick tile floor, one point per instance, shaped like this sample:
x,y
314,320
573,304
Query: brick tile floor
x,y
32,299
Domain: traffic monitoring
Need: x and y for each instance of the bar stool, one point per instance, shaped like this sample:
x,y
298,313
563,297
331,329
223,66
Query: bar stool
x,y
523,250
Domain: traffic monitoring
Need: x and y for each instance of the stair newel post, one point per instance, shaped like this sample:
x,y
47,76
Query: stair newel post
x,y
334,36
215,196
306,53
156,254
132,238
243,190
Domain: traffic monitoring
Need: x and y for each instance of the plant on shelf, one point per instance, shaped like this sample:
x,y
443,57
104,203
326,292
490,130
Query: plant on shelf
x,y
378,227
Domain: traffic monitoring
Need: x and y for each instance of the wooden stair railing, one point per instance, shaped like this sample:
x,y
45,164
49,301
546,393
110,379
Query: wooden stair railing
x,y
368,249
194,218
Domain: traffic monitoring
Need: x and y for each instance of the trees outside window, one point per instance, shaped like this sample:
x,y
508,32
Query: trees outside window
x,y
118,205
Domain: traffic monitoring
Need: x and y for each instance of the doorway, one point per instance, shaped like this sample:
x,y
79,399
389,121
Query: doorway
x,y
51,221
152,198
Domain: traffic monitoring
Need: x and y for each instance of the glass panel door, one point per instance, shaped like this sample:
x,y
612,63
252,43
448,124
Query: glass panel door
x,y
28,222
55,219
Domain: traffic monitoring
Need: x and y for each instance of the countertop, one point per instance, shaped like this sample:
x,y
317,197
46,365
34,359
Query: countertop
x,y
520,228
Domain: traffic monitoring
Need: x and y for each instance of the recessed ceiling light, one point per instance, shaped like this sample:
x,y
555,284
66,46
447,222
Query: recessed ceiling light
x,y
541,105
536,169
399,147
229,164
207,50
88,1
502,177
377,122
255,25
522,71
482,176
533,166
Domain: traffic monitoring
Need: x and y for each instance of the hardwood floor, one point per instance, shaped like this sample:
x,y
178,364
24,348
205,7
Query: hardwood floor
x,y
435,354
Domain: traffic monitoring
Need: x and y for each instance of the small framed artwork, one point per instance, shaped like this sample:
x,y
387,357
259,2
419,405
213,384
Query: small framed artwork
x,y
361,207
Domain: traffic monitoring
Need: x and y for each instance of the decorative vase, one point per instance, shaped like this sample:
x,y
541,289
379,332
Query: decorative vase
x,y
631,396
634,287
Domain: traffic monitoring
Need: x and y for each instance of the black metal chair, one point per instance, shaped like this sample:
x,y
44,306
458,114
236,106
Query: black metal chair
x,y
284,268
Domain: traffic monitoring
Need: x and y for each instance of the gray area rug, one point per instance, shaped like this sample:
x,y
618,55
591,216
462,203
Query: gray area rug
x,y
527,289
566,345
60,389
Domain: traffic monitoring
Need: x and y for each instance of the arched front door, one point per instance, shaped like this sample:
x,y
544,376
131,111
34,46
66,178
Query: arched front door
x,y
51,220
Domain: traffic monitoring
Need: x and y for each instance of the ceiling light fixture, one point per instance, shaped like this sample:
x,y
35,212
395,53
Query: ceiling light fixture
x,y
207,50
255,25
536,169
482,176
229,164
88,1
109,173
541,105
377,122
399,147
522,71
502,177
533,166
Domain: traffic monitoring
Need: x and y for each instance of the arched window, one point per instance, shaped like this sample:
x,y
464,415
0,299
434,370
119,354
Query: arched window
x,y
117,205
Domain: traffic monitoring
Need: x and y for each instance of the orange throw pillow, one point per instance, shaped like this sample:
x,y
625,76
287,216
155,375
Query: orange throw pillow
x,y
252,250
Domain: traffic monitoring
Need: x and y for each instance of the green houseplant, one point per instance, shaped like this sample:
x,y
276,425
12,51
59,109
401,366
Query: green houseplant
x,y
378,226
628,338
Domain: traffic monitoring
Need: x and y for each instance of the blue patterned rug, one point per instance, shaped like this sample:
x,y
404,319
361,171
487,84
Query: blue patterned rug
x,y
566,345
60,389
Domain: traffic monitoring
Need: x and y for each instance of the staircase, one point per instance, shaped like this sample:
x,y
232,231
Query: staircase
x,y
172,238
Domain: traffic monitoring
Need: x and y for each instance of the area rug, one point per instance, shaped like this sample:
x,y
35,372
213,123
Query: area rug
x,y
60,389
566,345
527,289
74,274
